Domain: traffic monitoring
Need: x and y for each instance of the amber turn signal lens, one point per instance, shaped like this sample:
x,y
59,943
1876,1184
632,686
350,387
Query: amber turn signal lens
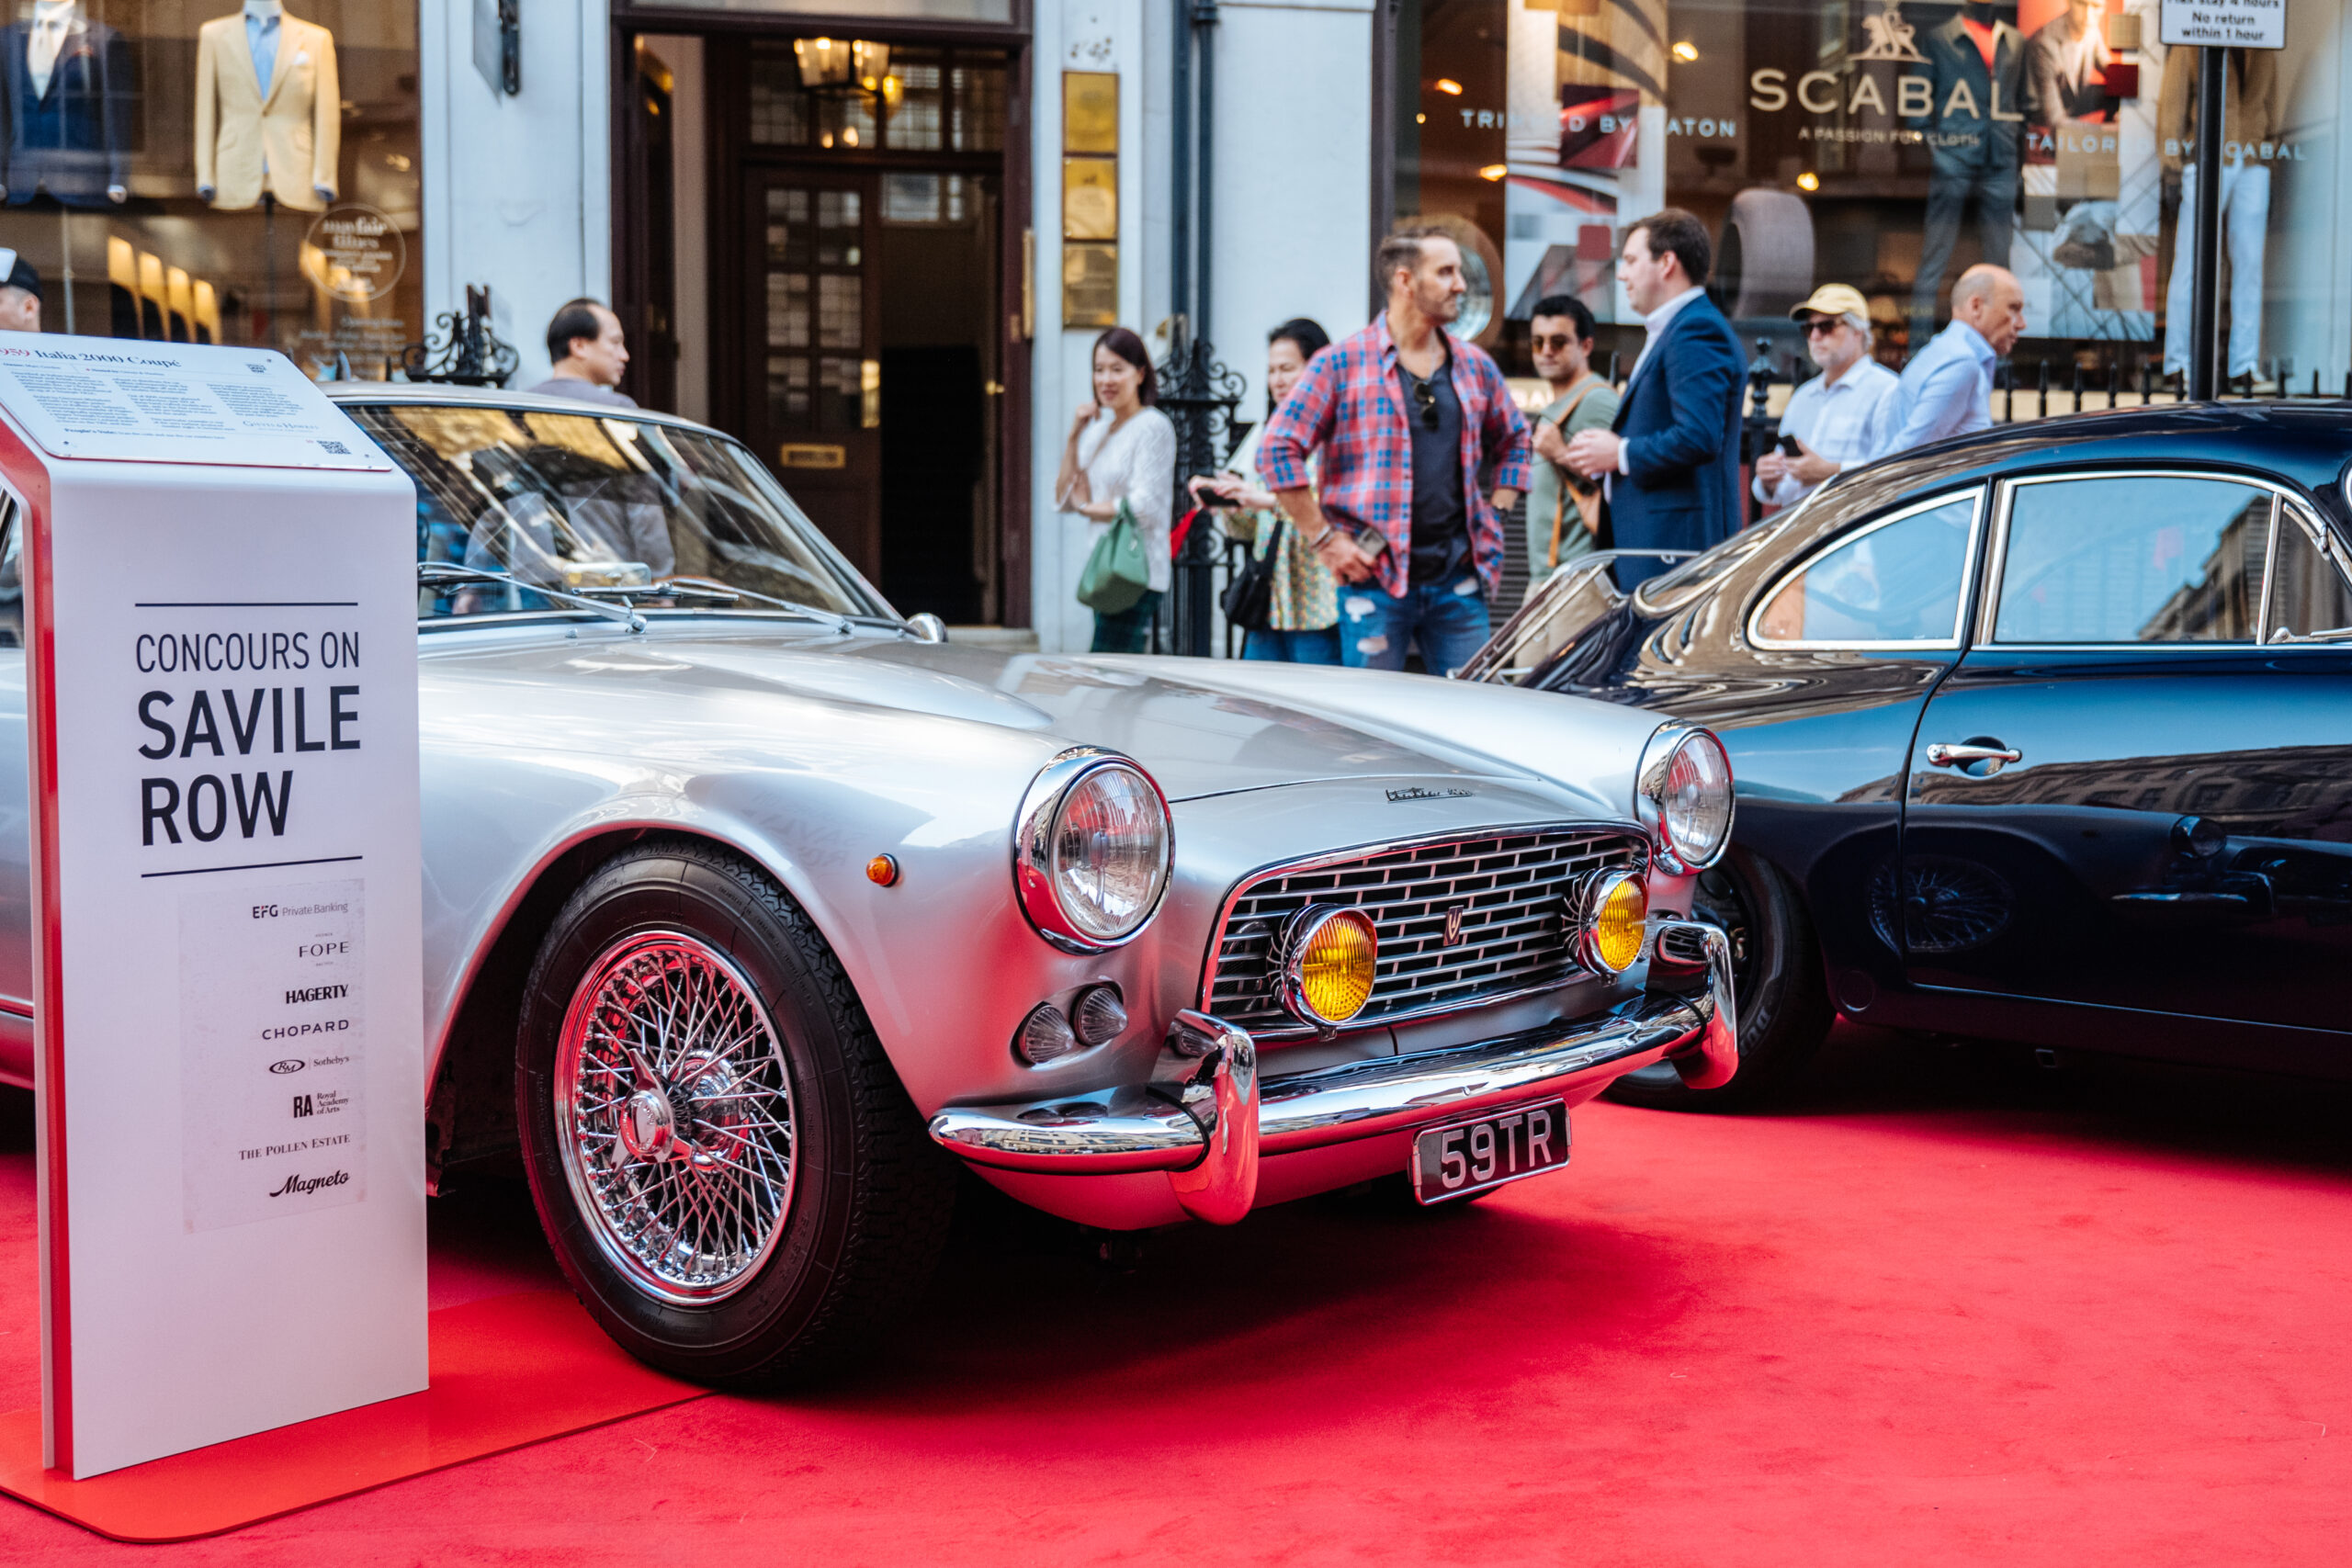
x,y
1333,958
1616,909
882,870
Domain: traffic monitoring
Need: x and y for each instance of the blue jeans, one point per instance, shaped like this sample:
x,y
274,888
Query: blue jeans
x,y
1295,647
1449,618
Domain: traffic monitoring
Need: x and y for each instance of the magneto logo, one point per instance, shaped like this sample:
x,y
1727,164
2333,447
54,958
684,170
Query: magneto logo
x,y
290,1065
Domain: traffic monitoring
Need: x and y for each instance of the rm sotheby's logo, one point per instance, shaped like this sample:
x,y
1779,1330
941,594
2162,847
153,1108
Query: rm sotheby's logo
x,y
1414,792
303,1186
289,1065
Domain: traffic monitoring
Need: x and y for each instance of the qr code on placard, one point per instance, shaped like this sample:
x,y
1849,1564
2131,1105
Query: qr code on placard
x,y
337,448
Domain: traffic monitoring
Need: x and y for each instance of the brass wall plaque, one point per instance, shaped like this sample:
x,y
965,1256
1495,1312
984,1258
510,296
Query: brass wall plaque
x,y
811,455
1089,285
1090,198
1089,111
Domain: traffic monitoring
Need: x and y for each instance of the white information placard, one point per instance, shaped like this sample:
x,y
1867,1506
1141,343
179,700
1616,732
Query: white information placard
x,y
220,694
174,402
2219,24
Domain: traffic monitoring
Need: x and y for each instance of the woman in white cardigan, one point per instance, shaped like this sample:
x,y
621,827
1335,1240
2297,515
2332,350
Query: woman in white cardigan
x,y
1122,448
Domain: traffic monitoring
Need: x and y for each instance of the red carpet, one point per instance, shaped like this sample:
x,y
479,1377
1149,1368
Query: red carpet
x,y
1914,1318
506,1372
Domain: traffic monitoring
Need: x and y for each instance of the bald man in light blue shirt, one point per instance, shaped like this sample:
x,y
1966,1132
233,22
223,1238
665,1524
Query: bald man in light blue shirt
x,y
1946,389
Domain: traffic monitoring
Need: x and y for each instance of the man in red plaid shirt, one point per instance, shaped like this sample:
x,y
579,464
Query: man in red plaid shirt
x,y
1404,418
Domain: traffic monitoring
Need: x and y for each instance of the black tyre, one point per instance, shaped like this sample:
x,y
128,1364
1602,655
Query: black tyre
x,y
1784,1009
731,1176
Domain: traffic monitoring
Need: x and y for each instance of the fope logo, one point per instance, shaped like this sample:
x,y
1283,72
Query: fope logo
x,y
290,1065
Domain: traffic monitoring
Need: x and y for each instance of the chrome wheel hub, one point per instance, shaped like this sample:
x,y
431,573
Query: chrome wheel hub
x,y
648,1125
674,1109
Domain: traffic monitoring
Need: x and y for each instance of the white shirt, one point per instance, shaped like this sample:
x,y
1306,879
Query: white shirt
x,y
1135,463
52,20
1655,324
1839,419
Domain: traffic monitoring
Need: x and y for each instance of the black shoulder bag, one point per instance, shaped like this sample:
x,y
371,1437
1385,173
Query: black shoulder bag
x,y
1249,598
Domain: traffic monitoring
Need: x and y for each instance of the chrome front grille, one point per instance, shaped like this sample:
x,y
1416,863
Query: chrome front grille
x,y
1511,934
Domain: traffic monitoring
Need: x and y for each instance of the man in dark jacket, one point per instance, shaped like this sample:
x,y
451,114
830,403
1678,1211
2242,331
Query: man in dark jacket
x,y
1670,462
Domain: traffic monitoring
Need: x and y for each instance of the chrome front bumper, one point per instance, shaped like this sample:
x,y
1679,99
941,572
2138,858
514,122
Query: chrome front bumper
x,y
1208,1128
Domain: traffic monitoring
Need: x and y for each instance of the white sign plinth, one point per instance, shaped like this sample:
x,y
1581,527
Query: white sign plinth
x,y
220,694
2223,24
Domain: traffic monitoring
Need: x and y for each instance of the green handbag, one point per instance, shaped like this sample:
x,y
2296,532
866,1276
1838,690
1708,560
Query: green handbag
x,y
1116,573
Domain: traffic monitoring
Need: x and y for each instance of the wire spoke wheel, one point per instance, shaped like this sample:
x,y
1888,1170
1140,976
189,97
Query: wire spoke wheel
x,y
674,1117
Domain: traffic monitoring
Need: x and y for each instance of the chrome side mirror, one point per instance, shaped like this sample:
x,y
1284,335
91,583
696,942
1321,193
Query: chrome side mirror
x,y
927,628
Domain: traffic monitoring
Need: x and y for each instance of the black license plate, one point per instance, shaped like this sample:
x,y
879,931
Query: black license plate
x,y
1470,1156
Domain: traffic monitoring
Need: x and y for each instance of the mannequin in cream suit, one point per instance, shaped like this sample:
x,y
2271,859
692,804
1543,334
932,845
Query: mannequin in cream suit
x,y
283,138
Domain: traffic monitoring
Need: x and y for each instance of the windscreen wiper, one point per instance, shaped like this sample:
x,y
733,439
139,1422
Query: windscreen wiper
x,y
704,585
434,573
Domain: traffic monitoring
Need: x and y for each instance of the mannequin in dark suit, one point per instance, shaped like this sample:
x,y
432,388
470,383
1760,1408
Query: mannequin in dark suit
x,y
1671,459
1974,125
72,139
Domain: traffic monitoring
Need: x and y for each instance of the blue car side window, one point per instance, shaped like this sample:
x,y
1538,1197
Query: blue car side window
x,y
2132,558
1895,584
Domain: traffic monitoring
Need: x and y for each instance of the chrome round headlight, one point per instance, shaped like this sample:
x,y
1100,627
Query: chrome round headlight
x,y
1683,795
1092,851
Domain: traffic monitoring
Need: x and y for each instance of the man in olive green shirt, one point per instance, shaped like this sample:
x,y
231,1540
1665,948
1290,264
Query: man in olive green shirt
x,y
1561,336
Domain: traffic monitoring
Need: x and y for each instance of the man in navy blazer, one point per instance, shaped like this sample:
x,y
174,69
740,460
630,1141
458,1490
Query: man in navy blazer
x,y
1671,462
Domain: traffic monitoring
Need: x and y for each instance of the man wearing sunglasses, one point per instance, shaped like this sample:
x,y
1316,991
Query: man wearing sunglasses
x,y
1564,510
1833,421
1405,418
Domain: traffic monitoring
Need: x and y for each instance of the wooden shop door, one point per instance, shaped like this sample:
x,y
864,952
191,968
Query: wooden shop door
x,y
815,399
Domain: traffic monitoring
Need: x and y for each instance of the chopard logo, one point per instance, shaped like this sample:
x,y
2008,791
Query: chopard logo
x,y
1415,792
306,1185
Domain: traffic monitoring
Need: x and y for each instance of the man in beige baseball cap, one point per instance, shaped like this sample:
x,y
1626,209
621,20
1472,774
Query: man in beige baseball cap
x,y
1832,422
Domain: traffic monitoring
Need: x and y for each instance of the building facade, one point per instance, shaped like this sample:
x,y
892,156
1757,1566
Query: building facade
x,y
877,238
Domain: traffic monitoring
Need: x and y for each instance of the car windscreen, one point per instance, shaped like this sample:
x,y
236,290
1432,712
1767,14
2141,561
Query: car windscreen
x,y
584,501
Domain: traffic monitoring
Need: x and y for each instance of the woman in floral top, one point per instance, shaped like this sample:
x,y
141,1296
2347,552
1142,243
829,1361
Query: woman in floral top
x,y
1303,619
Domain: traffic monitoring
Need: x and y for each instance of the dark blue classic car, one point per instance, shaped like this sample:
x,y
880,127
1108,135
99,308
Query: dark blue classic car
x,y
2044,734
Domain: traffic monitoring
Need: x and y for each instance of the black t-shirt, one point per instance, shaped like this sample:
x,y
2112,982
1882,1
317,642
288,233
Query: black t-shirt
x,y
1440,526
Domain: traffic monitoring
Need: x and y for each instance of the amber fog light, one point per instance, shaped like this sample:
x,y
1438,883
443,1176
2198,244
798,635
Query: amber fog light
x,y
1610,926
1330,957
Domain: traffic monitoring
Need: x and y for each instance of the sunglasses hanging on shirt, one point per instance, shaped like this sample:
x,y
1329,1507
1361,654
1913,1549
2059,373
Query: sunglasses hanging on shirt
x,y
1424,397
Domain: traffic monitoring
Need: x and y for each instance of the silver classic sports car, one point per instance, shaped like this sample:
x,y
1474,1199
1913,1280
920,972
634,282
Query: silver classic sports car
x,y
753,909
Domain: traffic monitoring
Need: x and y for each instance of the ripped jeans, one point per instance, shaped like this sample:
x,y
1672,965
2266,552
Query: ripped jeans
x,y
1448,618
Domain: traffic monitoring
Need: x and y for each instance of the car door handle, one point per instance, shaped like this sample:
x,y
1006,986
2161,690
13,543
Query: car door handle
x,y
1950,754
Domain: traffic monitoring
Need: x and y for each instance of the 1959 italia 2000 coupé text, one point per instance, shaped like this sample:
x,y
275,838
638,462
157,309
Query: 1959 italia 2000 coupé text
x,y
752,909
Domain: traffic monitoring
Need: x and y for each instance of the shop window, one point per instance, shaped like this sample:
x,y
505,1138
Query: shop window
x,y
2135,558
1872,143
159,200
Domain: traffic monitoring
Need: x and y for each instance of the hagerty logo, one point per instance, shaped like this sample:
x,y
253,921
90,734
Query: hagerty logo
x,y
1414,792
303,1186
